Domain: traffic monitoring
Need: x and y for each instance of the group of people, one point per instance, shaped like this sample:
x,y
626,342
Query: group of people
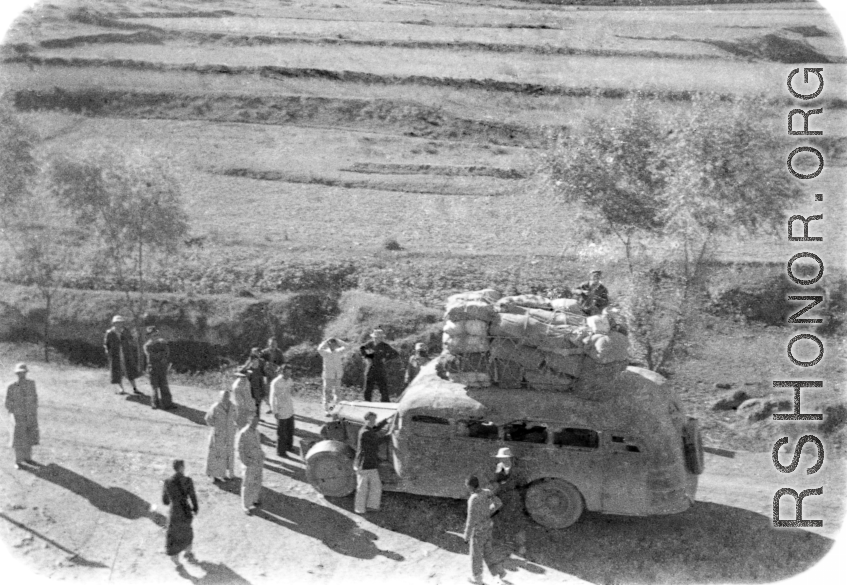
x,y
122,355
234,435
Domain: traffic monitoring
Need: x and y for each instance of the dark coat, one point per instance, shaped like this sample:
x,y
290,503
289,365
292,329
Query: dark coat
x,y
178,492
376,354
122,354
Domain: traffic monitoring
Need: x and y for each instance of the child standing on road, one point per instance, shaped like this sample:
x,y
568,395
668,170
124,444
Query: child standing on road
x,y
282,407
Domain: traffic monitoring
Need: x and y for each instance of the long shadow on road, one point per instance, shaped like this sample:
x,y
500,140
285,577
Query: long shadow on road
x,y
335,530
188,413
709,543
112,500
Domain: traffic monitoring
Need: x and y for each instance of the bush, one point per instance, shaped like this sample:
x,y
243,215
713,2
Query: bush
x,y
392,244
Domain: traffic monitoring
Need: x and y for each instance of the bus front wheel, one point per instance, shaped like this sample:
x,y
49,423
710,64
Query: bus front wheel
x,y
554,503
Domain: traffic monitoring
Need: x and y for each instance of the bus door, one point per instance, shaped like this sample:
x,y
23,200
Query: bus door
x,y
428,453
625,474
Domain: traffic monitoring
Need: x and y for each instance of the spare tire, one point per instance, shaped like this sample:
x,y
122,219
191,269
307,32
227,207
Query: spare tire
x,y
692,445
329,468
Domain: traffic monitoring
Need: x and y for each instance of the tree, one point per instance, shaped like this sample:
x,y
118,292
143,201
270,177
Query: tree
x,y
673,184
39,234
131,205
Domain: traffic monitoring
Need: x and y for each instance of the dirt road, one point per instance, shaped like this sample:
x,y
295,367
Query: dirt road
x,y
85,514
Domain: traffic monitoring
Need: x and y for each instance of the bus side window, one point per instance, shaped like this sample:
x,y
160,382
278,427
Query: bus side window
x,y
520,431
430,426
477,429
576,438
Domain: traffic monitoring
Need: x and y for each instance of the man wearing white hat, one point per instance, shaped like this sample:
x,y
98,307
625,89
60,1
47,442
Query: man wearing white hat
x,y
510,519
22,404
122,355
376,352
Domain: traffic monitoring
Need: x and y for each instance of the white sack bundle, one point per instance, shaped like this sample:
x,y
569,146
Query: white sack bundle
x,y
530,331
488,295
464,343
476,327
607,349
454,328
568,305
469,310
526,301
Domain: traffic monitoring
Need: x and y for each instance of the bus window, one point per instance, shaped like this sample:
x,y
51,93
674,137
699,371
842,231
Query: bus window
x,y
477,429
520,431
576,438
622,443
430,426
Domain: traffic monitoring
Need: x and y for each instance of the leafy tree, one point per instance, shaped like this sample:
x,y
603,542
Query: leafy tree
x,y
669,186
131,205
39,234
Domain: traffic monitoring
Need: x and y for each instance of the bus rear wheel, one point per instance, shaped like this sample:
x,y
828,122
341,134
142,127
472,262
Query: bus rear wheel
x,y
554,503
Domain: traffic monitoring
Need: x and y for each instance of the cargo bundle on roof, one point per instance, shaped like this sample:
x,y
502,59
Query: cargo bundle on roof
x,y
529,341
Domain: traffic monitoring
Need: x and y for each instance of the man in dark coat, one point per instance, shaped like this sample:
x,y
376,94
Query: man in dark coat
x,y
178,492
592,295
122,355
158,361
366,465
376,352
256,370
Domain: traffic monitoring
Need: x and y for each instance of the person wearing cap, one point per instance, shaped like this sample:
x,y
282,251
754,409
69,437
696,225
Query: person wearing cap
x,y
178,493
282,407
510,518
376,352
478,530
333,352
256,369
366,465
252,458
22,404
158,362
220,457
122,355
245,406
274,358
592,294
416,362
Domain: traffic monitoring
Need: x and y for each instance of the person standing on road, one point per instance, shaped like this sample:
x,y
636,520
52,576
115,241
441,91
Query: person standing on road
x,y
122,355
158,362
220,460
592,294
274,358
416,362
333,352
256,369
22,404
282,407
376,352
366,464
245,406
252,458
478,530
178,493
510,520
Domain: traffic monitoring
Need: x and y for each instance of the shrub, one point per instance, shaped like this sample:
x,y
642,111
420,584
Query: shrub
x,y
392,245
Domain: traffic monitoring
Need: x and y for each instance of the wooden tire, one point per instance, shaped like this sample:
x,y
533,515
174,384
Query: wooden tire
x,y
554,503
